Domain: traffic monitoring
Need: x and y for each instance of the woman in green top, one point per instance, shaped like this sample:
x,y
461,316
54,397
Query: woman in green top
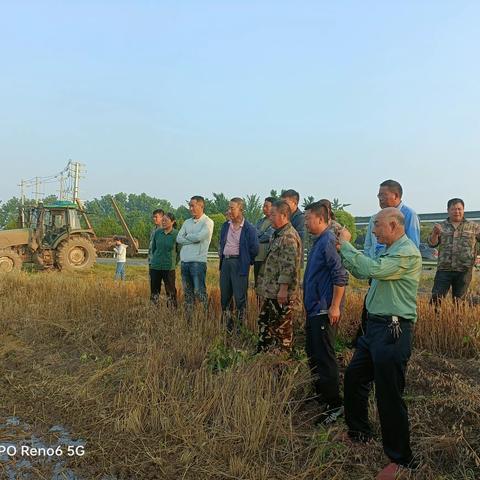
x,y
165,250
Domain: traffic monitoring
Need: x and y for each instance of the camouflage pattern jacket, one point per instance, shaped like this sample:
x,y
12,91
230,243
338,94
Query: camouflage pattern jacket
x,y
282,264
457,247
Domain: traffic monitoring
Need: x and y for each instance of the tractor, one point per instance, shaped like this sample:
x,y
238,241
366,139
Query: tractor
x,y
51,236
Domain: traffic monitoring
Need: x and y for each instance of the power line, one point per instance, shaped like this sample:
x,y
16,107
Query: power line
x,y
68,180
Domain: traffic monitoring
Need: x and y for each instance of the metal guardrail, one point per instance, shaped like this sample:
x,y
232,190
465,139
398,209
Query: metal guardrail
x,y
214,256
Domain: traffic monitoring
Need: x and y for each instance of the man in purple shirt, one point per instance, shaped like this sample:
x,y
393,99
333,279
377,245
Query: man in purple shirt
x,y
238,249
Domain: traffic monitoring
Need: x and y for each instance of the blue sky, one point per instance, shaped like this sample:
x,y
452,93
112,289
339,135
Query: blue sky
x,y
194,97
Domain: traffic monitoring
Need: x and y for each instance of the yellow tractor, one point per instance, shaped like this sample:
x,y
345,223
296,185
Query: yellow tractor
x,y
52,236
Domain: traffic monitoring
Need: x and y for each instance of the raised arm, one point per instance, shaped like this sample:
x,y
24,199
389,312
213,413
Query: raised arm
x,y
382,268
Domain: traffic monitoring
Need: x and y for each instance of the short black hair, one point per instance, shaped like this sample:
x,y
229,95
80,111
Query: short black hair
x,y
171,216
328,205
198,199
158,210
393,186
283,207
454,201
319,209
272,200
291,194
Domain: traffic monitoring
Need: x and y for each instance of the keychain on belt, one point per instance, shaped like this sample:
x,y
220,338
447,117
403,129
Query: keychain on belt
x,y
395,328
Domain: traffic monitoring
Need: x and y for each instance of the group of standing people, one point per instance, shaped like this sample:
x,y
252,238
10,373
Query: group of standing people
x,y
391,262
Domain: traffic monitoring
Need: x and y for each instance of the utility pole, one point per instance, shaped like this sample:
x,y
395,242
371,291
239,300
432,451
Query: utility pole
x,y
22,203
22,192
37,189
61,192
77,169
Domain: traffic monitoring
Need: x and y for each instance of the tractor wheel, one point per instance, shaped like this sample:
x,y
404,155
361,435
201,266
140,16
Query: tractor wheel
x,y
76,254
9,260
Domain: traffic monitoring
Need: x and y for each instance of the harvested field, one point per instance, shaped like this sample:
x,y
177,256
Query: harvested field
x,y
153,397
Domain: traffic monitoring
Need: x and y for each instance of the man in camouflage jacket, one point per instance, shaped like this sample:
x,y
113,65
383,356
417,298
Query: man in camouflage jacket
x,y
457,240
279,282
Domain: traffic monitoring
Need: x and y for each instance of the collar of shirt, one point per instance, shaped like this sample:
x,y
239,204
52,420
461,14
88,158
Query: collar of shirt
x,y
447,220
196,220
394,246
279,231
319,236
233,226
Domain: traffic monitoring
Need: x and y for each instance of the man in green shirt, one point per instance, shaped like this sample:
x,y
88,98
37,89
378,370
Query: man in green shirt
x,y
383,352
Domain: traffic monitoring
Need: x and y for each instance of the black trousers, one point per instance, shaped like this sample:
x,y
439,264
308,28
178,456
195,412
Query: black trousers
x,y
320,347
380,358
233,286
459,281
362,328
168,279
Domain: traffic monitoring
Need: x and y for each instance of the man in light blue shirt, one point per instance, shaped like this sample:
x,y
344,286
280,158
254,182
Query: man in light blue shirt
x,y
194,237
390,195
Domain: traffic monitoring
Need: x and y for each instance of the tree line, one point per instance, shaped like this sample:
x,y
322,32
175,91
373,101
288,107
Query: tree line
x,y
137,210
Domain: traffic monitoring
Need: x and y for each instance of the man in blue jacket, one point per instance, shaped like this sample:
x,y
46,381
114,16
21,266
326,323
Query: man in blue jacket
x,y
324,284
238,249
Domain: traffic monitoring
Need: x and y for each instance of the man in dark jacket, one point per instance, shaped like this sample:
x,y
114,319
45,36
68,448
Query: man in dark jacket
x,y
324,284
238,249
292,198
264,232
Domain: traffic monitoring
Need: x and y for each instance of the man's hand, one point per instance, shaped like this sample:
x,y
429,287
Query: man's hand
x,y
282,295
334,314
344,235
437,230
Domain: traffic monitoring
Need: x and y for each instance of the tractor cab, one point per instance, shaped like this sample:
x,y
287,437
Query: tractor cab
x,y
54,222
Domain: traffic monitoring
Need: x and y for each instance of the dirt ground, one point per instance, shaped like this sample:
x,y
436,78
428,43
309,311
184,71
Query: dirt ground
x,y
88,367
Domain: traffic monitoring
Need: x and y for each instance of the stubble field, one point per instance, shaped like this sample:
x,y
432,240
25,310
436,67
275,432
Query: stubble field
x,y
152,396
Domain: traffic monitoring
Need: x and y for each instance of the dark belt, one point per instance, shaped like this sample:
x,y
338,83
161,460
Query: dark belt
x,y
231,256
386,318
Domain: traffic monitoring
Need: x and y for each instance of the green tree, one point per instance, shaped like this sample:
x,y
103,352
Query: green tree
x,y
337,206
253,208
307,201
9,213
218,221
220,202
10,210
136,209
141,229
274,194
108,226
182,213
347,220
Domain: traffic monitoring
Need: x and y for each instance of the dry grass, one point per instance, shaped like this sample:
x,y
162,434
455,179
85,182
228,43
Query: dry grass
x,y
140,386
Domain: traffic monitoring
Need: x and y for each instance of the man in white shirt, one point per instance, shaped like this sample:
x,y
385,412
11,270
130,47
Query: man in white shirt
x,y
194,237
